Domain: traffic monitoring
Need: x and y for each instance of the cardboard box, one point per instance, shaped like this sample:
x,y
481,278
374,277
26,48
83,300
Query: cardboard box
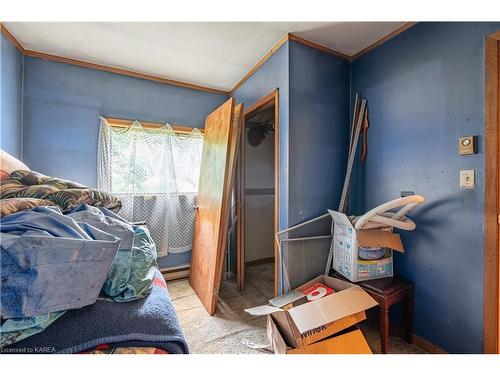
x,y
346,244
352,342
305,323
348,343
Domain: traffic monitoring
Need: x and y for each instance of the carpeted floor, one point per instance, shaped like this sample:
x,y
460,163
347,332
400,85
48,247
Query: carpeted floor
x,y
231,330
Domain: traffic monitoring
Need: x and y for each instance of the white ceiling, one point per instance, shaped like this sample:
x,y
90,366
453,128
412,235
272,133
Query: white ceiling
x,y
212,54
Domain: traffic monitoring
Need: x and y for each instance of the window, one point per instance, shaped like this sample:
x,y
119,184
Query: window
x,y
155,172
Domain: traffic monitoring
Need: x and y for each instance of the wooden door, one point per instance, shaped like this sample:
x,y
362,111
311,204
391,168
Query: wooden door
x,y
210,231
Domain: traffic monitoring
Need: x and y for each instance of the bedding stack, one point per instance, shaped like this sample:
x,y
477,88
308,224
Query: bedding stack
x,y
72,271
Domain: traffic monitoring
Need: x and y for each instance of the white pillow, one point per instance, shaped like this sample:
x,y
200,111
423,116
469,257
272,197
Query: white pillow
x,y
9,163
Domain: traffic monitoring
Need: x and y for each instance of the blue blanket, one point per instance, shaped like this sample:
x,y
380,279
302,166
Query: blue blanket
x,y
150,322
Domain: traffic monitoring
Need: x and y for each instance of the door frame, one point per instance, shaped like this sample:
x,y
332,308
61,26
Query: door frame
x,y
491,292
270,99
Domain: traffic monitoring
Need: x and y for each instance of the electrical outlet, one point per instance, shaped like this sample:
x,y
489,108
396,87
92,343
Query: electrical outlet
x,y
467,180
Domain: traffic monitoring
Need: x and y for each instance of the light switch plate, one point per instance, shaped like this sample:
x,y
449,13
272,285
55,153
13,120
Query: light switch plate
x,y
467,179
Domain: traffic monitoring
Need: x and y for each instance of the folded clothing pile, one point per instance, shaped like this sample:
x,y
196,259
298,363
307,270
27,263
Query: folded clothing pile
x,y
52,262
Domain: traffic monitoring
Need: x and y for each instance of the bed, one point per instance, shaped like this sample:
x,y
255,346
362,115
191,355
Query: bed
x,y
145,324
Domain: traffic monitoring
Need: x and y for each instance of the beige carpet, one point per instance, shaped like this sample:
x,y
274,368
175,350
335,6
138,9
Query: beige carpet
x,y
230,330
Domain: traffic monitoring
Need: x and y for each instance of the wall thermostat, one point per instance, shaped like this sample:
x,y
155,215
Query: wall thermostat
x,y
467,145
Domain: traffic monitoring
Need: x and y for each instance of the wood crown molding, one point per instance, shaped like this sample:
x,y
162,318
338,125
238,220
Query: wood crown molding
x,y
150,77
293,37
266,57
319,47
287,37
382,40
121,71
106,68
12,38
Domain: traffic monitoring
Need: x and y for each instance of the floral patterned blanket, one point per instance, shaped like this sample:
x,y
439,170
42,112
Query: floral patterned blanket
x,y
28,189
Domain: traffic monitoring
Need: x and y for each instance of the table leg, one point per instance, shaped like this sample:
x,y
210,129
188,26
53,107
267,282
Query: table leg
x,y
384,330
409,316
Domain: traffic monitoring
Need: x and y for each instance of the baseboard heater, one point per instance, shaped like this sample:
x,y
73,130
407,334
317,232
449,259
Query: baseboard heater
x,y
175,273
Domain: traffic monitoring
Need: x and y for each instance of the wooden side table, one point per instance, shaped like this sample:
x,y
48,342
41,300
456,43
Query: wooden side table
x,y
387,292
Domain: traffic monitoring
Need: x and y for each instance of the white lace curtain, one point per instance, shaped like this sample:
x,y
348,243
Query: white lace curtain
x,y
155,173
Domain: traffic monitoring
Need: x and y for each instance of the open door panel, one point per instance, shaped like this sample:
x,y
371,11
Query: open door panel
x,y
234,144
216,176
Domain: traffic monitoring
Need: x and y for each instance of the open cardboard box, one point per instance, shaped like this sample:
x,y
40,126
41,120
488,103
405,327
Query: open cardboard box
x,y
303,323
351,342
346,243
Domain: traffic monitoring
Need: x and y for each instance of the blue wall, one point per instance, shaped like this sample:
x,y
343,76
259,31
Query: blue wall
x,y
319,131
11,61
425,88
274,73
313,126
62,105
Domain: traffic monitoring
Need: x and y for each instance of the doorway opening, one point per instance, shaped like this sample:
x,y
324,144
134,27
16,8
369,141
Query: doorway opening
x,y
257,189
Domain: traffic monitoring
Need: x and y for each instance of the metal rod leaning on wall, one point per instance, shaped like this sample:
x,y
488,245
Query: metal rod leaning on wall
x,y
350,162
278,234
